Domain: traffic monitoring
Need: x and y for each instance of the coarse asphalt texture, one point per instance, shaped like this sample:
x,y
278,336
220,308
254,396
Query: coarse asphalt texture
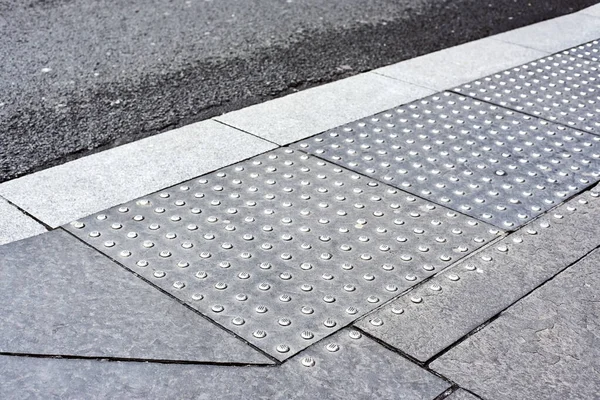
x,y
79,76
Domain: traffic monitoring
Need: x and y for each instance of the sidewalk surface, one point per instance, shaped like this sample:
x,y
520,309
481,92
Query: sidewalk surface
x,y
427,230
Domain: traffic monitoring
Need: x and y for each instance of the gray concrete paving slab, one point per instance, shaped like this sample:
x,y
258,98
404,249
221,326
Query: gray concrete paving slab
x,y
559,88
485,161
312,111
62,298
283,249
555,34
341,368
544,347
460,64
15,225
462,394
440,312
73,190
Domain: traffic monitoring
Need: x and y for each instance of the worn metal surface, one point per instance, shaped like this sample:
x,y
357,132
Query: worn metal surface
x,y
559,88
438,313
285,248
348,366
61,298
544,347
486,161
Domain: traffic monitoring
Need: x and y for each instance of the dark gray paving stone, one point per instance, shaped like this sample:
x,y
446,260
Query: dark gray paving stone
x,y
561,88
61,297
589,51
283,249
436,314
344,368
546,346
491,163
461,394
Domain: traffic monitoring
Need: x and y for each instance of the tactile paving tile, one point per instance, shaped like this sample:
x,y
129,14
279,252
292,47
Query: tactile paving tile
x,y
285,248
589,51
560,88
482,160
439,312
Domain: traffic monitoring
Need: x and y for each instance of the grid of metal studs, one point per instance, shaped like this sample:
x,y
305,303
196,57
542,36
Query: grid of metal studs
x,y
558,88
485,161
589,51
493,257
285,248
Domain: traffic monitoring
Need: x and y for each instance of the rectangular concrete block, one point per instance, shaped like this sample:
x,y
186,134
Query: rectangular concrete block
x,y
437,314
76,189
460,64
315,110
15,225
544,347
556,34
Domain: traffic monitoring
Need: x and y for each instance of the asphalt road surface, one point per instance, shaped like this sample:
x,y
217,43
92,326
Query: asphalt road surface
x,y
78,76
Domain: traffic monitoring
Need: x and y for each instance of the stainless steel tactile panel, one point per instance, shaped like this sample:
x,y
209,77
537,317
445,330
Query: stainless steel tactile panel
x,y
285,248
559,88
482,160
590,51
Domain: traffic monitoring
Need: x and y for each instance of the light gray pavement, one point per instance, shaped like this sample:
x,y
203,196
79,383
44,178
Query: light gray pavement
x,y
445,249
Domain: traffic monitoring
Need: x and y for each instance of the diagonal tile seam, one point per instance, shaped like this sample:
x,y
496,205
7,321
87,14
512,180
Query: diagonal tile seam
x,y
136,360
27,214
493,318
462,260
506,106
503,232
455,389
247,132
277,362
524,112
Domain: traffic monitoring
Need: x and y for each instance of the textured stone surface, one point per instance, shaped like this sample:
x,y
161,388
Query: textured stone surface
x,y
491,163
460,64
61,297
312,111
356,369
555,34
283,249
544,347
73,190
461,394
438,313
559,88
14,225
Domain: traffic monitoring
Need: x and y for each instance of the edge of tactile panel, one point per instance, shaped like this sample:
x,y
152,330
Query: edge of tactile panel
x,y
87,185
438,313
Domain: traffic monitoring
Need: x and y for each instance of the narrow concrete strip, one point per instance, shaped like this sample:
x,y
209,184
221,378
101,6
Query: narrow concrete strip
x,y
438,313
460,64
345,367
73,190
62,298
593,10
312,111
544,347
556,34
14,225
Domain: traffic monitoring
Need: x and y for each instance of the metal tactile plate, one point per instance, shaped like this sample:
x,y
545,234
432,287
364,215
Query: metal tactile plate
x,y
486,161
590,51
559,88
285,248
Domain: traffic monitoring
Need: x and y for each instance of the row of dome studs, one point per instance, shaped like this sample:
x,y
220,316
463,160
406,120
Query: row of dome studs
x,y
470,267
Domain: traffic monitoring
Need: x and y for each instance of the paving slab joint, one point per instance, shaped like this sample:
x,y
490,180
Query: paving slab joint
x,y
277,362
474,331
